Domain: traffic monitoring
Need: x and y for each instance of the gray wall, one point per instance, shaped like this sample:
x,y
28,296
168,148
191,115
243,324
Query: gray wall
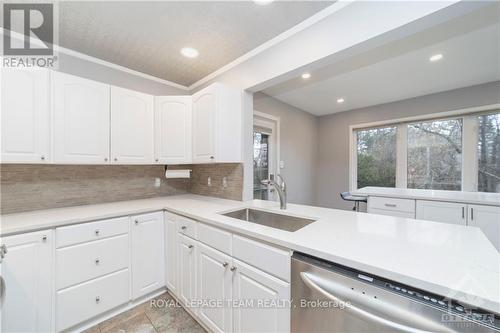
x,y
90,70
298,147
333,154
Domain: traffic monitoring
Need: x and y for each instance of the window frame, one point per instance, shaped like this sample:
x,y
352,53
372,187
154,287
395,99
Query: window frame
x,y
469,143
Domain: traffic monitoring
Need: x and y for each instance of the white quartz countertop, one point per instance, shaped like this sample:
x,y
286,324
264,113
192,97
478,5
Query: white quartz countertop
x,y
480,198
445,259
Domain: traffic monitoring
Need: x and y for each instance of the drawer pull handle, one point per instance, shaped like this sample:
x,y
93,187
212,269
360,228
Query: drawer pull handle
x,y
225,264
136,222
44,238
190,246
97,232
183,227
97,261
233,269
390,205
98,299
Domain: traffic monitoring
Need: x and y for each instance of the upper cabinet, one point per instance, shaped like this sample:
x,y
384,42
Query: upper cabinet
x,y
131,127
81,120
24,116
173,129
217,125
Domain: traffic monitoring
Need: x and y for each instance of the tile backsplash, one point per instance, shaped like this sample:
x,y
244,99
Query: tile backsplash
x,y
25,187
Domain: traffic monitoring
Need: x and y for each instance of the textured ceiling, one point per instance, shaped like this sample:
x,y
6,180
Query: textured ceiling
x,y
147,36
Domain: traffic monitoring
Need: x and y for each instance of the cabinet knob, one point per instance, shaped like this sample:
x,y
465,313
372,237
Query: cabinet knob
x,y
156,160
211,157
44,238
105,159
233,269
98,299
3,251
42,158
190,246
97,261
225,264
183,227
115,159
97,232
136,222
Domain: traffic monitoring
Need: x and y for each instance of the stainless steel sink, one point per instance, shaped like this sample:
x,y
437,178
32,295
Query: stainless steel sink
x,y
273,220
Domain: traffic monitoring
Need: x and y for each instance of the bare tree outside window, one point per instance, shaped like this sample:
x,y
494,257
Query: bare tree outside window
x,y
435,155
376,155
488,151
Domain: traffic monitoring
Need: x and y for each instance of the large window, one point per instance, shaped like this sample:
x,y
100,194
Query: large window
x,y
489,153
435,155
377,157
459,153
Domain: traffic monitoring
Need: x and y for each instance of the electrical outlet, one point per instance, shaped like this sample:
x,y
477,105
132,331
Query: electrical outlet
x,y
224,182
157,182
209,181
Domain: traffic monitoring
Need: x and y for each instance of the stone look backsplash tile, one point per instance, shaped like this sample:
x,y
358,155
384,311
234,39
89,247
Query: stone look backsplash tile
x,y
25,187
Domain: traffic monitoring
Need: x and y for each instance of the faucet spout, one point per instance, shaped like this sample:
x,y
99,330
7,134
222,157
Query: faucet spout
x,y
280,189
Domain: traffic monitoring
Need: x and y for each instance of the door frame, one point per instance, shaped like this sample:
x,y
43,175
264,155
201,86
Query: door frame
x,y
271,123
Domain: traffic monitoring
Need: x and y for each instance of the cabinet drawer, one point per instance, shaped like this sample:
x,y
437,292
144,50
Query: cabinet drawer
x,y
84,301
394,204
83,262
268,258
186,226
409,215
86,232
217,238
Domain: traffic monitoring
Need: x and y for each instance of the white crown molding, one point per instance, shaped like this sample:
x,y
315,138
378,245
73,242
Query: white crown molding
x,y
281,37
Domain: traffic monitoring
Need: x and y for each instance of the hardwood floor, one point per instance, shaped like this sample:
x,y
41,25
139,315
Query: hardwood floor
x,y
160,315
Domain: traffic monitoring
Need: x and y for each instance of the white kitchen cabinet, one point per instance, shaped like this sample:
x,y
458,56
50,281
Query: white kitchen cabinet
x,y
487,218
171,253
25,116
391,206
132,117
80,120
214,283
253,285
173,129
217,125
438,211
27,270
147,253
186,266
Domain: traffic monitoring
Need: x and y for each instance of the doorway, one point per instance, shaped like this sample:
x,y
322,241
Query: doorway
x,y
265,153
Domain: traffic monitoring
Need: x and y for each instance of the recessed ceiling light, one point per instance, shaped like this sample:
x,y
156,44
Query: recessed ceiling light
x,y
436,57
189,52
340,100
263,2
306,76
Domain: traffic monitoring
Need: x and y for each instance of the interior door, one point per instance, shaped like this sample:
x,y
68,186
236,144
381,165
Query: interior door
x,y
27,270
204,126
173,129
132,118
25,116
81,120
214,284
148,261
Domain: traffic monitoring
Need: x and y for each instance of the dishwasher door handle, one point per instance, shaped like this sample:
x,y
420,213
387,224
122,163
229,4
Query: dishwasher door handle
x,y
428,326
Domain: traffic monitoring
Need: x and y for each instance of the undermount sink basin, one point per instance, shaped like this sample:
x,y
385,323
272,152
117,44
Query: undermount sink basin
x,y
273,220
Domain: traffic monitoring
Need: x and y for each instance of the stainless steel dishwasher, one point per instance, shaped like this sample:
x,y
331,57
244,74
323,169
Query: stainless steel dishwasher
x,y
332,298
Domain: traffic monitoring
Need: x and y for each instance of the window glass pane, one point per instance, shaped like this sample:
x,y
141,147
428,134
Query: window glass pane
x,y
376,157
435,155
489,153
260,164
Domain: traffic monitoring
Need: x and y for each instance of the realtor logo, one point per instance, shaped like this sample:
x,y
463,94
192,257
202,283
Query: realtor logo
x,y
28,35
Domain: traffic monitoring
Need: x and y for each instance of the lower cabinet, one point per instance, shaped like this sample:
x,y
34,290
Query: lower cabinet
x,y
171,252
27,271
447,212
186,269
147,253
487,218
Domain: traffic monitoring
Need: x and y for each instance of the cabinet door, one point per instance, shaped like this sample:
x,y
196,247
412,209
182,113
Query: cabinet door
x,y
438,211
214,284
171,254
81,120
187,268
27,270
487,218
131,127
204,125
25,116
148,260
173,129
253,285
